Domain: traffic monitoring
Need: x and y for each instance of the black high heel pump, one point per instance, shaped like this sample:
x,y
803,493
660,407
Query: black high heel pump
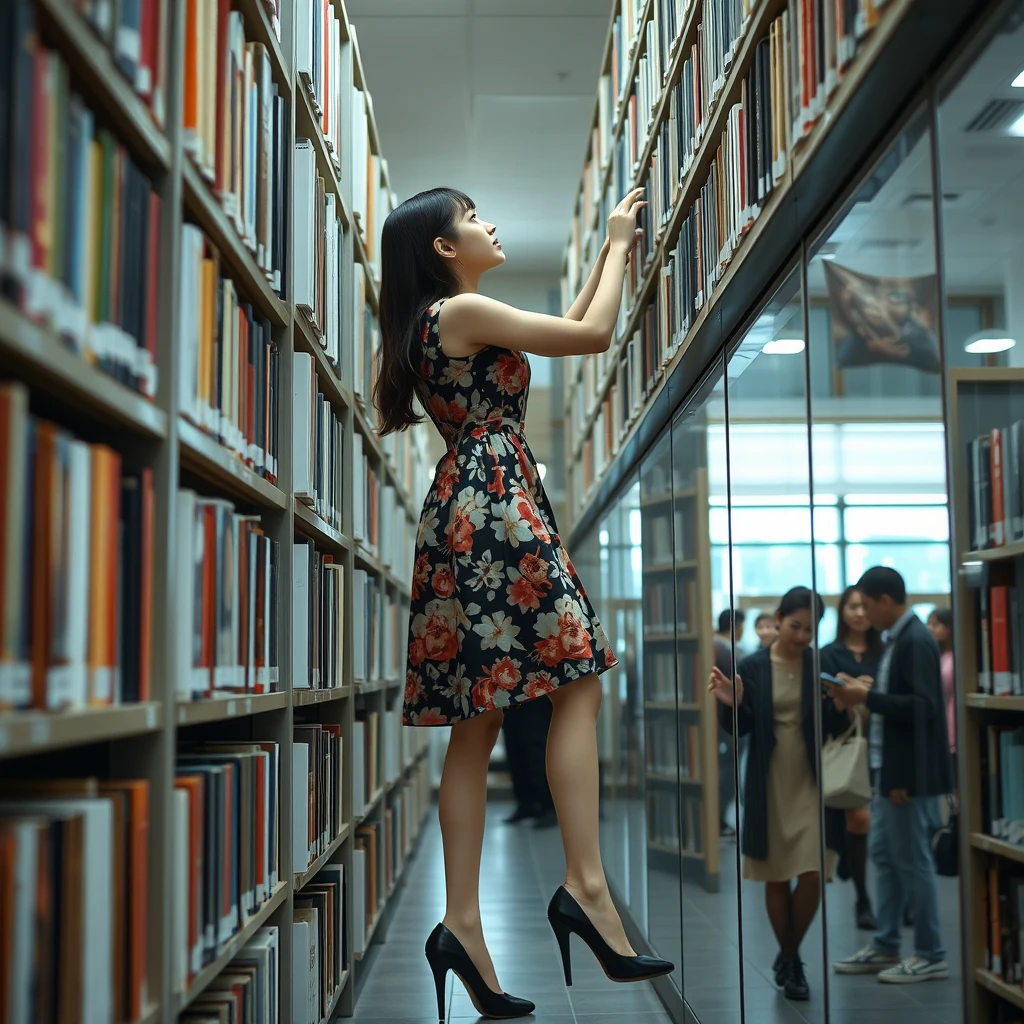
x,y
445,953
567,916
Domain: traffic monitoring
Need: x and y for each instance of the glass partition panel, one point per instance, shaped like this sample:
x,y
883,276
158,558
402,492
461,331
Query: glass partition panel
x,y
772,708
707,790
621,725
879,453
666,760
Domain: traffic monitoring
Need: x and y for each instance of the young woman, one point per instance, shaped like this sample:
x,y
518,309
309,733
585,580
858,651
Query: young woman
x,y
776,696
498,615
855,651
940,625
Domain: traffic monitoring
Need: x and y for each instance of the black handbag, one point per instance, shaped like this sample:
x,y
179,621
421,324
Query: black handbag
x,y
946,843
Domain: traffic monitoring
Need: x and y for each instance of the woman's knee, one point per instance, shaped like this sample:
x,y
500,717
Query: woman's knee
x,y
858,821
582,694
480,730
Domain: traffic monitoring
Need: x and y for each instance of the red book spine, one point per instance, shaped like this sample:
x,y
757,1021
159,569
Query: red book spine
x,y
998,528
1002,678
146,569
39,179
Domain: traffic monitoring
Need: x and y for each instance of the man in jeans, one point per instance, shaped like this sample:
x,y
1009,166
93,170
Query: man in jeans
x,y
911,770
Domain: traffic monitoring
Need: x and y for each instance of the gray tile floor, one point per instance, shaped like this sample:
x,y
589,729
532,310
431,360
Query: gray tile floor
x,y
522,867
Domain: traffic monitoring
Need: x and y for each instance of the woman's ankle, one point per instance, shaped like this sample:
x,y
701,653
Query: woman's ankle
x,y
589,890
465,925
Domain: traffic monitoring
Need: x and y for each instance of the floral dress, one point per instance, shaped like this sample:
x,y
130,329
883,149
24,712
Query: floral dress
x,y
498,615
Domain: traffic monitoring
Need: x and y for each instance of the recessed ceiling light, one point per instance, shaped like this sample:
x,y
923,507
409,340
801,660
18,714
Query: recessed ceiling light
x,y
1017,128
986,342
784,347
828,255
1018,82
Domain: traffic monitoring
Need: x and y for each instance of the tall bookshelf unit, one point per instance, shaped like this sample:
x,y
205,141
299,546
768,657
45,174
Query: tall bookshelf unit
x,y
703,219
150,115
980,401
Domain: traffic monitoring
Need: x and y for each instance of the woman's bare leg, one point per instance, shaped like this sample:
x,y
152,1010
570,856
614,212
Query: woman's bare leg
x,y
573,778
461,808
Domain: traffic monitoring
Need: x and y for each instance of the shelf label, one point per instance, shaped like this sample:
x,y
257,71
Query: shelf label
x,y
231,709
151,717
40,732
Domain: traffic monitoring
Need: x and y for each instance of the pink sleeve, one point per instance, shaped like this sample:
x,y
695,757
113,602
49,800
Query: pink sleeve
x,y
946,668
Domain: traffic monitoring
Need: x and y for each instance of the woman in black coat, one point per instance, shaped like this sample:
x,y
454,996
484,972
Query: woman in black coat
x,y
777,696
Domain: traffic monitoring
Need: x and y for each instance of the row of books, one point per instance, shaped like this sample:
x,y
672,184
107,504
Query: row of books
x,y
320,948
995,483
76,567
74,899
672,748
1002,782
368,894
379,521
318,445
226,846
227,628
366,343
235,125
1004,932
79,220
1000,640
318,607
378,625
320,68
227,358
372,199
670,675
675,824
248,991
317,789
366,767
136,33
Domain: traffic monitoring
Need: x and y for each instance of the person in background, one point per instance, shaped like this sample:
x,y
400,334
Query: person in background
x,y
726,770
764,626
940,625
855,652
776,696
911,769
525,729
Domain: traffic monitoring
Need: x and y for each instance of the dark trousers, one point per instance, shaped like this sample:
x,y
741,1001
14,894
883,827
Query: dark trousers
x,y
526,736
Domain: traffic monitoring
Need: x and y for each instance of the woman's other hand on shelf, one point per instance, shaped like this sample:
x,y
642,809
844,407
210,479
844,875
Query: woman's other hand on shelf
x,y
726,692
623,233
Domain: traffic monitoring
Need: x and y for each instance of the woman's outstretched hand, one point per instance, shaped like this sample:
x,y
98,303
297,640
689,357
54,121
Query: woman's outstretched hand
x,y
623,234
725,692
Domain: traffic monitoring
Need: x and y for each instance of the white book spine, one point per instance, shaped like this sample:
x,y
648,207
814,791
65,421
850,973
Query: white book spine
x,y
304,215
300,616
300,807
300,972
302,421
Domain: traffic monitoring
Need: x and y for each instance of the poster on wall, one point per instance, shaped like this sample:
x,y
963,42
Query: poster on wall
x,y
883,319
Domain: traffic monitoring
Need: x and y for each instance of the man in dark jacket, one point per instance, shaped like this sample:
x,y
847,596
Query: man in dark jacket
x,y
911,769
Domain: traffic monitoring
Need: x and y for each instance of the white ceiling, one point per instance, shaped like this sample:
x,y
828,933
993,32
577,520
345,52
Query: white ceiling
x,y
493,97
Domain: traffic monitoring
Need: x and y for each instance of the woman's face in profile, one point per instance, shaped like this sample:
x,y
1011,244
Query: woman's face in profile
x,y
795,628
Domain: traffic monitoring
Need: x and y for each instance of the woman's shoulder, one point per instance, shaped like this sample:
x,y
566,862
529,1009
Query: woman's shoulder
x,y
759,661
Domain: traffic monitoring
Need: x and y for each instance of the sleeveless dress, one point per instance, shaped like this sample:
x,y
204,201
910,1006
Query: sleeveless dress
x,y
497,614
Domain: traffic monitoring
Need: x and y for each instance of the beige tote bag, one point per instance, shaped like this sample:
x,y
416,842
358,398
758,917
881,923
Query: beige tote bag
x,y
846,777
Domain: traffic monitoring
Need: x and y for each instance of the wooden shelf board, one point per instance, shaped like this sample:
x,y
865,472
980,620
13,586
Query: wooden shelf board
x,y
373,927
232,947
208,213
989,702
332,1003
1006,551
94,64
659,567
312,526
306,340
258,29
151,1014
301,878
41,359
31,732
672,780
206,457
218,709
306,698
1011,993
370,806
997,846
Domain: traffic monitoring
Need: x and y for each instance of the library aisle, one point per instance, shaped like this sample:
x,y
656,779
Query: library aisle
x,y
520,869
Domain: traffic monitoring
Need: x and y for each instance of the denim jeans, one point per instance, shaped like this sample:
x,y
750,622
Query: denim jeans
x,y
905,873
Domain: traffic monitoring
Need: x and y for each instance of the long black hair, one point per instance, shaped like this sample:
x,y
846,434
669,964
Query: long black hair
x,y
872,638
413,277
800,599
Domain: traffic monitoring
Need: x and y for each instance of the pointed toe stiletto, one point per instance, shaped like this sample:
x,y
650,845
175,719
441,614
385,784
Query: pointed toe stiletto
x,y
445,953
567,916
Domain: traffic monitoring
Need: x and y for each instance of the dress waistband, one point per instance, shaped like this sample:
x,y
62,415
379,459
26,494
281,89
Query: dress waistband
x,y
492,425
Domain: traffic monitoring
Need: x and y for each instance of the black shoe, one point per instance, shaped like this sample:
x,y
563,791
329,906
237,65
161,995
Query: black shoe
x,y
908,918
445,953
842,869
780,969
567,916
546,820
866,921
521,813
796,981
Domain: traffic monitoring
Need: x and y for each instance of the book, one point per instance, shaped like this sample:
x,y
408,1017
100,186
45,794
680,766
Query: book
x,y
318,445
248,989
318,585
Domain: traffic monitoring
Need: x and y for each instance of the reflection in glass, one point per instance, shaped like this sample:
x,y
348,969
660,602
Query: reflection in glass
x,y
878,444
772,707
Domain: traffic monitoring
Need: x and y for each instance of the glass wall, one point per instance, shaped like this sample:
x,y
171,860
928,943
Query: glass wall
x,y
794,523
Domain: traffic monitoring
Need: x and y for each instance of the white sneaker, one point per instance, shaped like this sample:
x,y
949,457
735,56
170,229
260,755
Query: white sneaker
x,y
915,969
866,961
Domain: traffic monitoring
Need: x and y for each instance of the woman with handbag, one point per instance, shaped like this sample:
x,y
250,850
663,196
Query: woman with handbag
x,y
776,697
855,651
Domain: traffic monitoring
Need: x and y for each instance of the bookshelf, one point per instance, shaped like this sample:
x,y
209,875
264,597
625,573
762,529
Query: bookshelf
x,y
706,69
153,348
989,668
